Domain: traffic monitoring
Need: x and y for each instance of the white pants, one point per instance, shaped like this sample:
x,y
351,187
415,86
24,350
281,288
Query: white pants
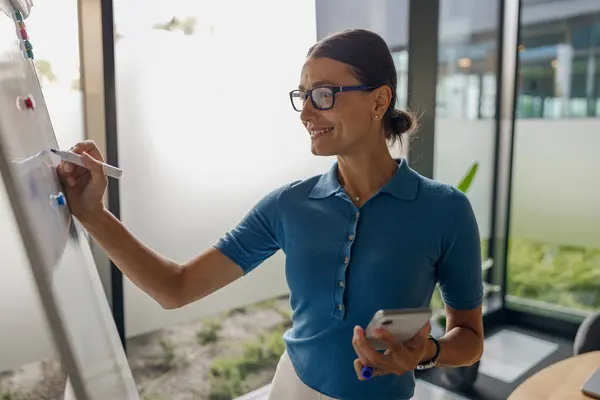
x,y
287,386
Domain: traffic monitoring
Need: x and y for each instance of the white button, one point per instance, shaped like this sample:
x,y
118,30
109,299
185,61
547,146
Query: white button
x,y
340,307
351,237
341,284
357,214
346,259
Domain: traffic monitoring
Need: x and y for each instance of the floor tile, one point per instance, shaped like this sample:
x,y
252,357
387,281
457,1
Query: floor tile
x,y
427,391
509,354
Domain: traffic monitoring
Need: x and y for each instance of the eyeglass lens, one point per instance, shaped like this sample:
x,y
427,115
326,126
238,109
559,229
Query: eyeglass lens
x,y
322,98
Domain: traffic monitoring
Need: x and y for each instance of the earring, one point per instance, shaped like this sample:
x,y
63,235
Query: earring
x,y
375,116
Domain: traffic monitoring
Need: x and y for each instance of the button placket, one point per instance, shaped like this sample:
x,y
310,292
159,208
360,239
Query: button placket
x,y
341,275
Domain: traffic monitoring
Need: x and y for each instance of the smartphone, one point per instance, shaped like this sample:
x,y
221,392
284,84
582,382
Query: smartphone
x,y
403,324
591,387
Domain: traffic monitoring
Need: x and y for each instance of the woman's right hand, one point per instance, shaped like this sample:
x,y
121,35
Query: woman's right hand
x,y
84,187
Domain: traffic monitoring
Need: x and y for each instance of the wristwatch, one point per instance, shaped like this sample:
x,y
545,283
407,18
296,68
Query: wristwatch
x,y
433,362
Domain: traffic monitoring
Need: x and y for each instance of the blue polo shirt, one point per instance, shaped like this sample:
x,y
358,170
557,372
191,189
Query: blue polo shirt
x,y
344,263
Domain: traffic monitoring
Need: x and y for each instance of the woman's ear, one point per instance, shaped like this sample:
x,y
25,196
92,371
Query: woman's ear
x,y
383,97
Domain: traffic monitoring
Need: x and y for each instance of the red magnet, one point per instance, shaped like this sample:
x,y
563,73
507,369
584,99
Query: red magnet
x,y
29,103
24,34
26,103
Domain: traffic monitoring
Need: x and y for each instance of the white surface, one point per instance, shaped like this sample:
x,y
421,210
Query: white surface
x,y
206,130
57,250
509,354
60,48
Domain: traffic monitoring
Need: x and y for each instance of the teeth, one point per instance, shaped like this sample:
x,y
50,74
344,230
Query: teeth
x,y
319,132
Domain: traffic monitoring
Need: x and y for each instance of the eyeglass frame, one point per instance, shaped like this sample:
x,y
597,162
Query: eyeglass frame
x,y
334,90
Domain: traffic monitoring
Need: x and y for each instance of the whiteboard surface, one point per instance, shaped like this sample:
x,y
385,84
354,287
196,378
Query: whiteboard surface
x,y
57,247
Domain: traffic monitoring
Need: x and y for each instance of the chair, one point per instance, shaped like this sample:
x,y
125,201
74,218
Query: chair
x,y
588,335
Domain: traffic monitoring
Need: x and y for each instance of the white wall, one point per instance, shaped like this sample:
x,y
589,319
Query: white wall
x,y
211,115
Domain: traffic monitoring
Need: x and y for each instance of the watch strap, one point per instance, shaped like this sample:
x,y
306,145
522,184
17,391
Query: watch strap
x,y
432,362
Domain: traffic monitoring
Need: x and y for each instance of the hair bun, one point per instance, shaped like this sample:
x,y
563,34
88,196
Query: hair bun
x,y
402,122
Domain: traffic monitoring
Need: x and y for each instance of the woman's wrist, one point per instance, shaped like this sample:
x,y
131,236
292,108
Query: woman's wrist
x,y
92,217
430,351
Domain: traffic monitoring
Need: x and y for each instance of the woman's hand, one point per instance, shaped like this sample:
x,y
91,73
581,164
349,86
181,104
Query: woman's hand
x,y
397,359
84,187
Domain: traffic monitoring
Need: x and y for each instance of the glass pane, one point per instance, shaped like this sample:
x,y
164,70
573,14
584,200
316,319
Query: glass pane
x,y
554,248
466,101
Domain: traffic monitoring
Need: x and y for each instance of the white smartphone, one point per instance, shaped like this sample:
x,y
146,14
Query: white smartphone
x,y
402,323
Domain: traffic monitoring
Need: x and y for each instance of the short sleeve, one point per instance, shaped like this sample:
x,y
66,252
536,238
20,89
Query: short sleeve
x,y
256,237
459,268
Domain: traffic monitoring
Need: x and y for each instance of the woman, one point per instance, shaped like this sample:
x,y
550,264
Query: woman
x,y
369,234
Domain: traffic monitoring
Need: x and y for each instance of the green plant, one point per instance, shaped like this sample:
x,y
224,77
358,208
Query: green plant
x,y
168,353
152,397
286,313
227,375
187,25
568,276
465,182
10,395
265,304
210,331
45,72
237,310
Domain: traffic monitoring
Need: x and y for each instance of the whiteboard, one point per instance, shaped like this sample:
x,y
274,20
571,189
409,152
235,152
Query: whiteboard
x,y
57,247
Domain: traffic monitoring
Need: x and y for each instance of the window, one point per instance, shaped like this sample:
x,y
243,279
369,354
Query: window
x,y
466,102
554,252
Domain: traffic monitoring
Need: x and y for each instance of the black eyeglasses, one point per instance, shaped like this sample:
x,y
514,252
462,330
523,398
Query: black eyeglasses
x,y
322,97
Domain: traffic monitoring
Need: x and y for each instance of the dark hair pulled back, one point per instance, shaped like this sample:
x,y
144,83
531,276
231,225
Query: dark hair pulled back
x,y
370,60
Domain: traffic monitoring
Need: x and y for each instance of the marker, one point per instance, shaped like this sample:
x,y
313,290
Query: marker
x,y
76,159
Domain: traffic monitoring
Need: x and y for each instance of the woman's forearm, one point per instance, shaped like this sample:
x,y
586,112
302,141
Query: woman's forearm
x,y
154,274
458,347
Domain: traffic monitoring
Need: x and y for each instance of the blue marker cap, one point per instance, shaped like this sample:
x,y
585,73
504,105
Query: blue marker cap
x,y
59,199
367,372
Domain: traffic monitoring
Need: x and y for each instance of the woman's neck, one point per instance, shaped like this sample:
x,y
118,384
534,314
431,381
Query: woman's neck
x,y
364,174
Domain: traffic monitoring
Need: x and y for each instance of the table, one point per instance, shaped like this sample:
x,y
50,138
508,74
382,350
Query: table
x,y
562,380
